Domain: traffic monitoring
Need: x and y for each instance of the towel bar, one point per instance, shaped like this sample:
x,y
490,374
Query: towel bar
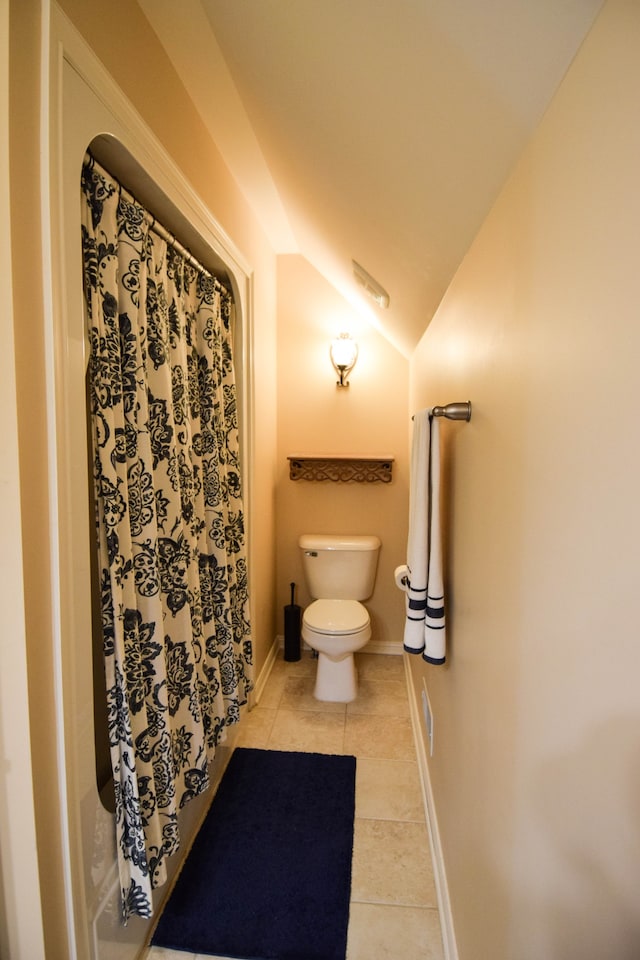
x,y
454,411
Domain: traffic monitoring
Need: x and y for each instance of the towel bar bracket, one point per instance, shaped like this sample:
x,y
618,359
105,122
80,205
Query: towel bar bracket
x,y
454,411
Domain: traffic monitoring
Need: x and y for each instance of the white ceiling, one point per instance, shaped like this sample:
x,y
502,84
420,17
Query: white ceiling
x,y
374,130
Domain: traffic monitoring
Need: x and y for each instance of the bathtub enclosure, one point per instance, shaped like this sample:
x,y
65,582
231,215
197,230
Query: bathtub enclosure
x,y
86,110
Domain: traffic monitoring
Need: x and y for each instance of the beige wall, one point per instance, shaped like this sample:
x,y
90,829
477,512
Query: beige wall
x,y
316,417
537,713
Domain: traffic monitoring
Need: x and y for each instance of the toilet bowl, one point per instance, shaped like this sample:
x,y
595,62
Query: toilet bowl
x,y
336,629
340,572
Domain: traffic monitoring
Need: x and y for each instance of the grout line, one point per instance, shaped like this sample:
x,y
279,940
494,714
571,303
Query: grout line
x,y
395,903
390,819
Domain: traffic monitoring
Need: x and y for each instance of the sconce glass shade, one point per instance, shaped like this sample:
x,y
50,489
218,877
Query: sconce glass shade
x,y
344,353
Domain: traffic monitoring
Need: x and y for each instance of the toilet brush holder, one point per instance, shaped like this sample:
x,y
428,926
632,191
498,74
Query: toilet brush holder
x,y
292,615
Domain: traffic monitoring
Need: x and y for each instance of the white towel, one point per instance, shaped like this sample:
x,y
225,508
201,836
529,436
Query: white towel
x,y
434,622
424,630
418,540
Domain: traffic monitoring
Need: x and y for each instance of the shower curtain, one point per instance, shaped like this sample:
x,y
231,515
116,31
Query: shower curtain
x,y
169,520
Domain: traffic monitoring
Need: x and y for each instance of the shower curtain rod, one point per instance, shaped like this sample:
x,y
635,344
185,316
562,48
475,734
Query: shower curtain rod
x,y
454,411
164,233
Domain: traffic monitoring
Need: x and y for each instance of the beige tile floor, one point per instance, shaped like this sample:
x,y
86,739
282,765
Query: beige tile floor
x,y
393,912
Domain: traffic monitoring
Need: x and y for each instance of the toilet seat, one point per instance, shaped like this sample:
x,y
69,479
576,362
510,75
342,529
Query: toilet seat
x,y
336,617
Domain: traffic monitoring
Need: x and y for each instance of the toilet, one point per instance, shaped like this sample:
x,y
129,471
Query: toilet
x,y
340,571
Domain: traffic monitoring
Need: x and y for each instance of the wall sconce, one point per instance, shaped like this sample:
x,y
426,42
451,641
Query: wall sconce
x,y
344,353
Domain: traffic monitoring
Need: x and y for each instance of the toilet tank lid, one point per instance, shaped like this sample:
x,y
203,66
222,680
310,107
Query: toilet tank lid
x,y
323,541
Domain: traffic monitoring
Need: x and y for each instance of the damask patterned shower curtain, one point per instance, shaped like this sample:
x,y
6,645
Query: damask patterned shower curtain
x,y
169,520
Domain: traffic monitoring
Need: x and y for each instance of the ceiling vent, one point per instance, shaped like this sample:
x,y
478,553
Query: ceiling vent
x,y
371,286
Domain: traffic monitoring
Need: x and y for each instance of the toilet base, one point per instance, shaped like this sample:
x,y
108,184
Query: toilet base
x,y
336,680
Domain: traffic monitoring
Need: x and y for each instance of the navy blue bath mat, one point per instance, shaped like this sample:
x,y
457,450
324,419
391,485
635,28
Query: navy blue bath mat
x,y
269,874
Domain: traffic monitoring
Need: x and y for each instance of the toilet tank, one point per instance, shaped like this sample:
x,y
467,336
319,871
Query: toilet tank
x,y
339,567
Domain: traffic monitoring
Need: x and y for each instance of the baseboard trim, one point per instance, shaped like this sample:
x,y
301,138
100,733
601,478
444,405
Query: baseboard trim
x,y
442,889
383,646
263,676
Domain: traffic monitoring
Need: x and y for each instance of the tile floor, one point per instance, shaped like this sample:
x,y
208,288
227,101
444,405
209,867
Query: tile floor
x,y
393,913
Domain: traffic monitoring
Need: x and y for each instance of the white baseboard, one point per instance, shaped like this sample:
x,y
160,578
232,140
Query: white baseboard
x,y
263,676
383,646
442,889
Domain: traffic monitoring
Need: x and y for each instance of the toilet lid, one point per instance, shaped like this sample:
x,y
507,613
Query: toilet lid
x,y
336,616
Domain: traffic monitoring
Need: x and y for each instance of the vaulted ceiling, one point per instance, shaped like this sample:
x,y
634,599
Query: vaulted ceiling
x,y
379,131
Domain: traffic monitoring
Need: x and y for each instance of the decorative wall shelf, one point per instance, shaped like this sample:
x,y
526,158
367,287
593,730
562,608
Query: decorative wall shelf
x,y
343,469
